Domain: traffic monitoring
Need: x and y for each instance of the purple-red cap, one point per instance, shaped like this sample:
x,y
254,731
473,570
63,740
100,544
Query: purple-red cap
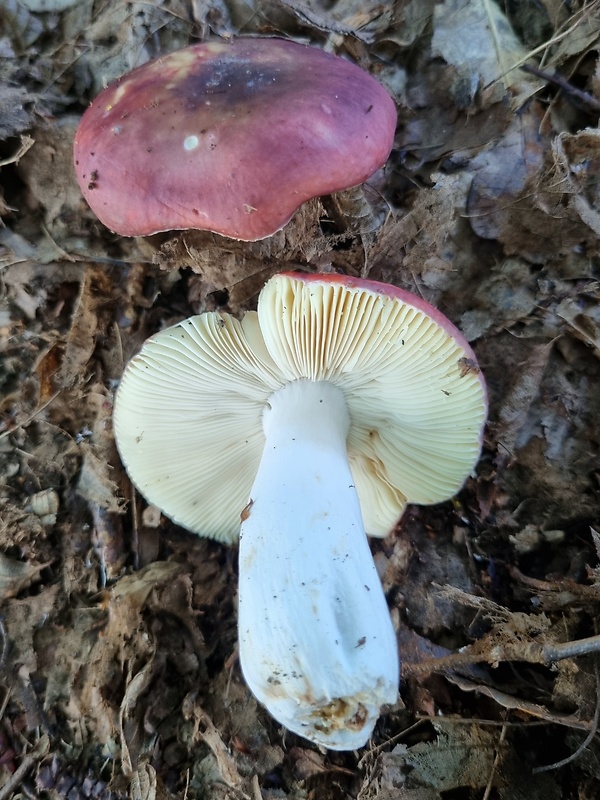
x,y
230,137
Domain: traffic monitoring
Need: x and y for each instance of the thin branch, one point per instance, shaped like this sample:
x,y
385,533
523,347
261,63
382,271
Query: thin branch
x,y
588,739
30,418
581,647
559,80
530,652
16,779
490,783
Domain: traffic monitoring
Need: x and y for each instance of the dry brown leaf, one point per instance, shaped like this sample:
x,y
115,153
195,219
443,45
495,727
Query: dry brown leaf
x,y
555,215
146,785
25,29
208,733
95,482
47,168
514,423
26,143
477,39
463,759
22,619
577,156
125,36
501,299
94,291
95,654
577,35
323,21
502,171
440,123
16,576
505,700
409,21
424,250
583,318
242,268
42,6
130,593
307,763
131,717
20,528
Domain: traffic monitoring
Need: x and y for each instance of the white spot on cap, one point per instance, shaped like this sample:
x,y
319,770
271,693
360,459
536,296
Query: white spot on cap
x,y
119,92
191,142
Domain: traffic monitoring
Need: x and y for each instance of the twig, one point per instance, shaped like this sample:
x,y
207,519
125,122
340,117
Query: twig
x,y
588,738
63,253
530,652
392,740
559,80
256,793
26,143
5,700
490,783
3,654
16,779
581,647
540,48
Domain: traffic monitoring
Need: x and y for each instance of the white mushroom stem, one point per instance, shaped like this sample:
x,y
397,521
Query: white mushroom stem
x,y
317,646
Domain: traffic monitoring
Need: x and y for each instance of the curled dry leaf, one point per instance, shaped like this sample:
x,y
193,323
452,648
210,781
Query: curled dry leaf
x,y
45,505
131,717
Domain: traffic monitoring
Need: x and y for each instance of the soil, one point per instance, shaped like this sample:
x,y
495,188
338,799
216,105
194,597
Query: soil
x,y
119,675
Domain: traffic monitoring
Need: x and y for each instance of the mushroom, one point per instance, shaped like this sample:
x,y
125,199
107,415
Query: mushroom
x,y
301,428
230,137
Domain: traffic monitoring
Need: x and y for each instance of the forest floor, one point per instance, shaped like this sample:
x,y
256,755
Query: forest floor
x,y
118,668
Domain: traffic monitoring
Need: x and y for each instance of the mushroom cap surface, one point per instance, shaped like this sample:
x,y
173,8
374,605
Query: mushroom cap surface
x,y
230,137
188,413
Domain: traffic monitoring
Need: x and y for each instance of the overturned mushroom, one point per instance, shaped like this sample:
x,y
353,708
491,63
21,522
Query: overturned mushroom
x,y
311,422
230,137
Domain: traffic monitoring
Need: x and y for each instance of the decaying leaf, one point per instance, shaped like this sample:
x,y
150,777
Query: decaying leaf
x,y
210,735
515,421
25,29
519,704
16,576
147,785
502,171
476,38
583,317
47,5
95,483
22,619
131,718
578,159
461,757
47,168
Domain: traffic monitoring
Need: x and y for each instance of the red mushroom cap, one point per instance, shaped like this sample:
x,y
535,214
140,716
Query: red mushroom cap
x,y
230,137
